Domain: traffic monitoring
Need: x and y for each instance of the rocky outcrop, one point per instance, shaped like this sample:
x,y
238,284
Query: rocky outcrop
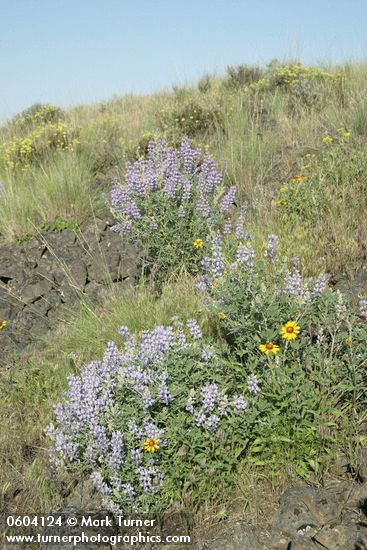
x,y
42,279
308,518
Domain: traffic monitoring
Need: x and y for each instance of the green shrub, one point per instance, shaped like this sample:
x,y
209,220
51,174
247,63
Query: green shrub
x,y
191,118
37,115
242,75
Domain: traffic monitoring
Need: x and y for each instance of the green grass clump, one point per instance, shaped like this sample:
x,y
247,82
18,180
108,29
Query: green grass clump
x,y
58,189
325,203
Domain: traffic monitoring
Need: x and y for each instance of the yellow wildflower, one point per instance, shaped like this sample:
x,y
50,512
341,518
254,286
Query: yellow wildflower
x,y
151,445
268,348
327,139
198,244
2,324
221,315
348,342
298,178
290,330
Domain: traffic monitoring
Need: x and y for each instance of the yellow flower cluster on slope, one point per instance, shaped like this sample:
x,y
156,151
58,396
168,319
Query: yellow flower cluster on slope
x,y
23,151
289,75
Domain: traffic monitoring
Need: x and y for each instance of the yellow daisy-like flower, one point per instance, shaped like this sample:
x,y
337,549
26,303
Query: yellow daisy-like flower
x,y
2,324
327,139
282,202
290,330
221,315
198,244
348,342
269,347
151,445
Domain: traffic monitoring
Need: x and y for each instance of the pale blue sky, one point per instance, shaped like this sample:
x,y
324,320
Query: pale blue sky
x,y
68,52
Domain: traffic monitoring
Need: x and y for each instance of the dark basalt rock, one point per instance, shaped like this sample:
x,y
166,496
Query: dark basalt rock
x,y
43,278
308,518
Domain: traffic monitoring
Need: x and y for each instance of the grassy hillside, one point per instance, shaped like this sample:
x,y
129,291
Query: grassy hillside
x,y
292,139
262,127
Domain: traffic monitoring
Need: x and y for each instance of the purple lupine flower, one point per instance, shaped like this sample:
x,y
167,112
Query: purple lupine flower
x,y
240,234
147,398
203,284
253,384
209,397
181,339
320,285
151,431
203,207
245,255
293,284
190,404
239,403
205,263
99,484
271,251
117,197
164,395
116,456
126,227
227,227
123,331
211,423
189,156
186,190
217,261
223,405
98,432
128,490
194,329
207,355
209,177
200,418
145,479
136,457
228,199
156,343
134,430
363,307
131,210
